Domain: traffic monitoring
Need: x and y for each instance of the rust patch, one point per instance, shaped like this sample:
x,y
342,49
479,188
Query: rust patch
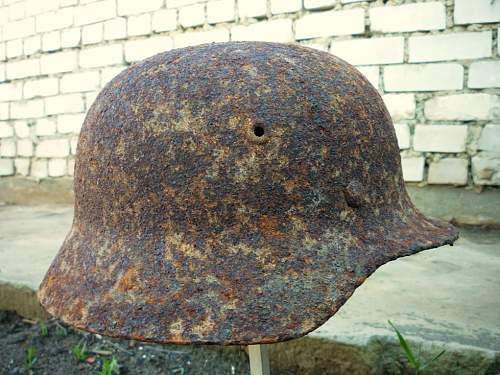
x,y
232,193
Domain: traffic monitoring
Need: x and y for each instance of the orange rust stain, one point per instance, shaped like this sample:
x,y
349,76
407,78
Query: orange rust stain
x,y
268,225
128,280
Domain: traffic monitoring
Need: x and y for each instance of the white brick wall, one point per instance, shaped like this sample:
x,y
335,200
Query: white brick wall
x,y
388,50
424,77
448,171
271,31
330,23
490,138
484,74
464,107
453,46
440,138
413,168
409,17
436,64
476,11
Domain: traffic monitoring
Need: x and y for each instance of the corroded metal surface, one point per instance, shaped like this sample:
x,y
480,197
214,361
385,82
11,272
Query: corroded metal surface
x,y
232,193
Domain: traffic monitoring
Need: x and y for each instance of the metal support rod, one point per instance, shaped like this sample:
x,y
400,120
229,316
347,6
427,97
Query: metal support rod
x,y
259,360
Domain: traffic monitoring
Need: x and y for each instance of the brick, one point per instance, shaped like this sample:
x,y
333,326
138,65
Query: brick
x,y
95,12
57,167
6,130
22,166
4,111
455,46
192,15
32,45
14,48
2,52
413,168
285,6
440,138
140,49
107,74
139,25
317,46
59,62
181,3
52,148
484,74
73,145
402,135
90,98
319,4
11,91
70,37
92,34
21,129
25,147
51,41
19,29
164,20
400,106
451,171
71,167
6,167
45,126
27,109
69,123
329,23
220,11
40,87
271,31
57,20
67,103
23,68
424,77
408,17
39,169
101,56
130,7
252,8
476,11
371,73
466,107
17,10
7,147
486,168
115,29
370,51
200,37
79,82
490,138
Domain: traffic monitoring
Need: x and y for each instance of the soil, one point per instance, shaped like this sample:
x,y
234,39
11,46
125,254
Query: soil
x,y
54,355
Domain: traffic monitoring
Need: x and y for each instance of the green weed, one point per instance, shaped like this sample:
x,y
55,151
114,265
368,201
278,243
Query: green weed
x,y
80,351
108,366
415,361
29,358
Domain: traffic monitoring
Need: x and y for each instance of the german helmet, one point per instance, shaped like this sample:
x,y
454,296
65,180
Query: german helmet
x,y
232,193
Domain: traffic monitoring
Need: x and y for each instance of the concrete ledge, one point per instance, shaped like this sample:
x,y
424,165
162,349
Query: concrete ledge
x,y
22,300
462,206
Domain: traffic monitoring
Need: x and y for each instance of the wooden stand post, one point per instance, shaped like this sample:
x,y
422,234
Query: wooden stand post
x,y
259,360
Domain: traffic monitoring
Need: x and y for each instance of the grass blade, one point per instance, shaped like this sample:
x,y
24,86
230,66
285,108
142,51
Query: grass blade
x,y
409,354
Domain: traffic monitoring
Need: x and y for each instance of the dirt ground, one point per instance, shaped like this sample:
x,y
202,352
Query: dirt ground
x,y
53,342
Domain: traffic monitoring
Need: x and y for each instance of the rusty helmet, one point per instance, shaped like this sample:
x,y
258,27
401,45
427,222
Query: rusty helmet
x,y
232,193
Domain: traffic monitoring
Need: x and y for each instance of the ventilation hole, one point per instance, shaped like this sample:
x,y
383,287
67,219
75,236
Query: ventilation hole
x,y
258,131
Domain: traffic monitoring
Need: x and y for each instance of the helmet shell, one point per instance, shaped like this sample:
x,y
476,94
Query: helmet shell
x,y
232,193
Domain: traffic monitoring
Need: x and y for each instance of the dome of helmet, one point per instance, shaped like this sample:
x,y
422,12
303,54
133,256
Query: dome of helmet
x,y
232,193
